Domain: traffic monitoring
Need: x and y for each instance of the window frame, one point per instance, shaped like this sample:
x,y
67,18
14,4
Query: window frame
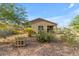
x,y
40,27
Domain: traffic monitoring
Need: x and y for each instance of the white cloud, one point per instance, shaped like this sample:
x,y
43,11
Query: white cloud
x,y
71,5
64,20
76,12
60,20
57,17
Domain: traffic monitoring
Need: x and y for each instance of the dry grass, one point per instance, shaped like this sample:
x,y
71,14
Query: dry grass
x,y
33,48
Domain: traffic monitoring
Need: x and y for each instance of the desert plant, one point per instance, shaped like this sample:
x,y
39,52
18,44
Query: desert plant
x,y
44,37
49,37
68,36
29,31
17,31
3,26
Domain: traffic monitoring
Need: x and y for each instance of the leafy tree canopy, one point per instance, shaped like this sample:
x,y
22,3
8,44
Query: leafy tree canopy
x,y
75,23
12,12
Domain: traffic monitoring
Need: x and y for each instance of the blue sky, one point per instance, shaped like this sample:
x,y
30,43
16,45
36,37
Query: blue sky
x,y
60,13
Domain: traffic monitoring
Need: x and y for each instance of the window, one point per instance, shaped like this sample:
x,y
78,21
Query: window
x,y
40,28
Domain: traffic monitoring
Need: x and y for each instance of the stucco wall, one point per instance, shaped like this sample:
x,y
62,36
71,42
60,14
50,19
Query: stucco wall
x,y
41,23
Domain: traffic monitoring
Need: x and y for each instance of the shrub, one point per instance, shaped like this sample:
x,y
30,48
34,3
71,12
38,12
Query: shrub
x,y
44,37
3,26
68,36
15,32
16,26
29,31
5,33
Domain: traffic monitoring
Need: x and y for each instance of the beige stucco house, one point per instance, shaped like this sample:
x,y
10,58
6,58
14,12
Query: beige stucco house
x,y
40,24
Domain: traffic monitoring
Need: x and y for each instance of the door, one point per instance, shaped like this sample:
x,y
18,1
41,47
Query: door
x,y
49,28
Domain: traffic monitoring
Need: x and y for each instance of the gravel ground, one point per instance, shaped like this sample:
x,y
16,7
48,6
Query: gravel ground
x,y
33,48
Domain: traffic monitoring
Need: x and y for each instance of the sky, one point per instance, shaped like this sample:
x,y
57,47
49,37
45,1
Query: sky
x,y
60,13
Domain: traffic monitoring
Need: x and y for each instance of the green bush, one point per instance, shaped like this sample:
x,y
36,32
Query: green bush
x,y
15,32
44,37
68,36
29,31
3,26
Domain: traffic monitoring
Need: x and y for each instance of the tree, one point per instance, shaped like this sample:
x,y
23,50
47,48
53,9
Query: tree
x,y
27,24
12,12
75,23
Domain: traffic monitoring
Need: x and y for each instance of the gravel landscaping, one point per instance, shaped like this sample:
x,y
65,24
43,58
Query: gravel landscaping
x,y
33,48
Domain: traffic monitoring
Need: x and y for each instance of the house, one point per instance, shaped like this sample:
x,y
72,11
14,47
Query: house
x,y
40,24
